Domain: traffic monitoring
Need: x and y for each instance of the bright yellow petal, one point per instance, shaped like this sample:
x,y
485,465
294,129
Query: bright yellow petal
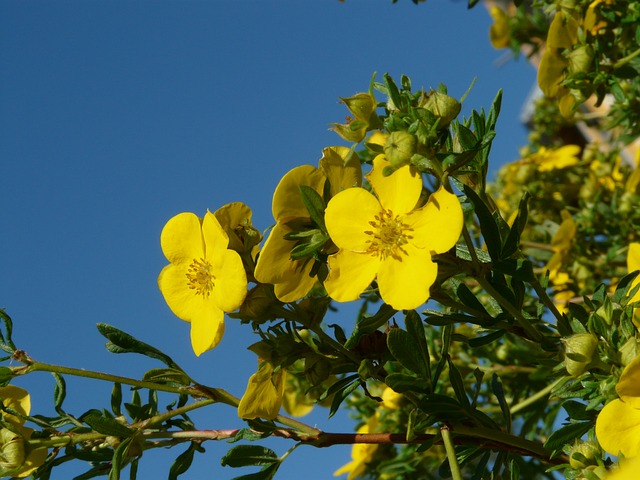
x,y
17,399
633,257
34,460
215,238
287,202
438,225
350,274
499,31
618,429
291,401
181,238
628,470
230,287
263,396
207,329
628,388
342,168
404,284
398,192
182,300
290,277
347,218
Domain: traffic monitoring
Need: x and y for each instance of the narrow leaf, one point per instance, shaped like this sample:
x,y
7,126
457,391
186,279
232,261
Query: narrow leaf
x,y
245,455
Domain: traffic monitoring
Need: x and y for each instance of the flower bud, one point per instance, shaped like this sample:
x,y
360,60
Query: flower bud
x,y
260,304
361,106
399,148
12,452
579,350
628,351
584,454
580,59
317,369
443,106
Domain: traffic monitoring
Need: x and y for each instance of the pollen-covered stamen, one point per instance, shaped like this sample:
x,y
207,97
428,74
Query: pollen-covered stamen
x,y
389,235
200,278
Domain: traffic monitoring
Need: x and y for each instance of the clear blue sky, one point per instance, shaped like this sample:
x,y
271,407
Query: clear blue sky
x,y
117,115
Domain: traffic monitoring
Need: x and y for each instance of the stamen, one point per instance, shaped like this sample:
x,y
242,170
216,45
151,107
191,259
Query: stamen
x,y
200,278
389,236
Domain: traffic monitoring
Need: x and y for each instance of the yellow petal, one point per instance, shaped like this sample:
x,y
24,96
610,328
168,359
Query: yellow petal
x,y
17,399
293,403
207,329
350,273
347,218
551,73
633,257
342,168
230,287
398,192
628,388
499,31
618,429
438,225
404,284
263,396
34,460
287,202
182,300
290,277
563,31
181,238
628,470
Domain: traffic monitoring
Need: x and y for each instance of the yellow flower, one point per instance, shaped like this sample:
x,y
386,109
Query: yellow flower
x,y
499,31
361,453
547,160
563,34
263,397
391,399
235,220
204,278
17,458
292,277
294,401
618,424
633,264
628,470
388,238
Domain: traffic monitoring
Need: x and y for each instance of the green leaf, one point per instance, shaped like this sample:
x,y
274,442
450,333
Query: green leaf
x,y
567,435
341,395
121,342
183,461
488,225
392,90
248,434
494,112
246,455
6,343
486,339
521,269
624,287
107,426
267,473
458,384
498,391
368,324
118,461
512,243
167,375
116,399
59,392
402,383
314,204
402,347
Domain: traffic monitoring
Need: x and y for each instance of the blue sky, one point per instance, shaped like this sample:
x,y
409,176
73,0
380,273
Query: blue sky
x,y
115,116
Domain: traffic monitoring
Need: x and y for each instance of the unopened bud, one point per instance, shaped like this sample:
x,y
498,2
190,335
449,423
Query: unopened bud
x,y
12,452
579,350
443,106
399,148
584,454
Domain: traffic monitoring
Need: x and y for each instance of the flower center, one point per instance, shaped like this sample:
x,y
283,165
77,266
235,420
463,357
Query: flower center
x,y
200,278
389,235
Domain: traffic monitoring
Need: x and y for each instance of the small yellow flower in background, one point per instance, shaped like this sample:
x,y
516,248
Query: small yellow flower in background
x,y
17,459
204,278
292,277
618,424
387,237
294,401
563,34
263,397
561,245
633,264
391,399
499,32
551,159
361,453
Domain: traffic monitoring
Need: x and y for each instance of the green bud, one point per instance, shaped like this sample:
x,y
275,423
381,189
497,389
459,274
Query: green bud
x,y
443,106
584,454
259,305
317,369
580,59
352,131
628,351
579,350
12,452
399,148
361,106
